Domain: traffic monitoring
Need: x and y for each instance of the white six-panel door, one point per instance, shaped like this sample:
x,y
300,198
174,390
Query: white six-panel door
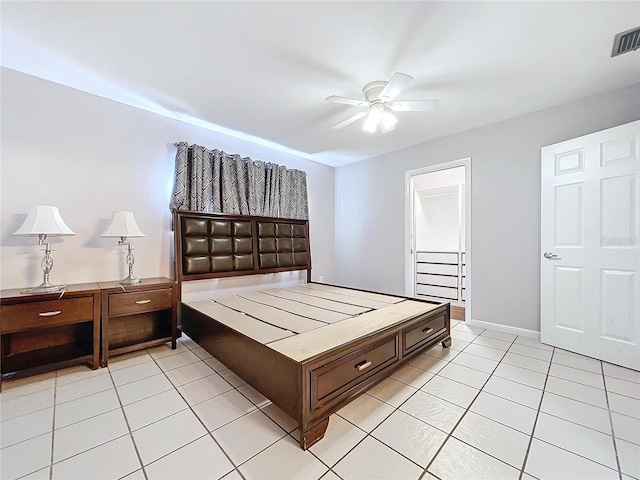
x,y
590,262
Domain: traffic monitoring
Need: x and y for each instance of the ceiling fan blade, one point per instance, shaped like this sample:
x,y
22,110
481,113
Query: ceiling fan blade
x,y
350,120
415,106
346,101
395,85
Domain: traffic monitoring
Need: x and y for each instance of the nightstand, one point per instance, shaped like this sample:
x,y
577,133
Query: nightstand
x,y
140,316
46,331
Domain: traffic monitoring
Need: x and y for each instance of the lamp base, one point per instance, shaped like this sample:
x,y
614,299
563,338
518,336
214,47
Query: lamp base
x,y
47,264
130,280
45,287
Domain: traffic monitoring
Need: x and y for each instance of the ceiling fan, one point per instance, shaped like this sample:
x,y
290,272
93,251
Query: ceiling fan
x,y
378,100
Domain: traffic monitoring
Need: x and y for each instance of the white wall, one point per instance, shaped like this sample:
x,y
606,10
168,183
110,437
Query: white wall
x,y
437,220
90,156
505,233
439,178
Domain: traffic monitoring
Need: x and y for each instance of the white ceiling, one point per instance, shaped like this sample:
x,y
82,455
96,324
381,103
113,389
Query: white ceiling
x,y
263,69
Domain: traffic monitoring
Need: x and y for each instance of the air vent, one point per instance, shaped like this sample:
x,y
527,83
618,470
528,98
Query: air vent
x,y
626,42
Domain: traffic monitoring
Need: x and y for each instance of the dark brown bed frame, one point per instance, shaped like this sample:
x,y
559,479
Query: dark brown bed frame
x,y
211,245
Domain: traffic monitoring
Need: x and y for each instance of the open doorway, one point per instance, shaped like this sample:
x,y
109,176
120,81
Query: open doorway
x,y
438,221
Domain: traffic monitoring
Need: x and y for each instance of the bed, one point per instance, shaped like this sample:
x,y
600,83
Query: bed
x,y
310,348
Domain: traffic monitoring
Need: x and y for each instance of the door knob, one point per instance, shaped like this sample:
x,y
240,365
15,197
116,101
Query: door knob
x,y
551,256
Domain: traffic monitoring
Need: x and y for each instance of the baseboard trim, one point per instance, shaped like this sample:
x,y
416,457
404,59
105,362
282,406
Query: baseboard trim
x,y
505,328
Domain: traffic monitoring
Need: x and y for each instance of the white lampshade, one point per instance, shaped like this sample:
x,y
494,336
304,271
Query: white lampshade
x,y
44,220
123,225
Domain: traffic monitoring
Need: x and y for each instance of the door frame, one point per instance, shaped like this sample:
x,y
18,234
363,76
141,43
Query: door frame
x,y
409,227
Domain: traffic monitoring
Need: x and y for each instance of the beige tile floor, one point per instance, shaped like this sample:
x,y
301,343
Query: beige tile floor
x,y
492,406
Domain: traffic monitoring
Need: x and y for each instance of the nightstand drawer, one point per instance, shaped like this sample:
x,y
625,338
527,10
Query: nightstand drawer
x,y
138,302
25,316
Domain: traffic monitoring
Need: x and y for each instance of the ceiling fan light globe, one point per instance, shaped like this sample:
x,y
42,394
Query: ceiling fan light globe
x,y
388,121
378,98
372,120
385,130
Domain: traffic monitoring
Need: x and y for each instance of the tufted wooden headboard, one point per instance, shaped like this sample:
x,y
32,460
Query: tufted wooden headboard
x,y
214,245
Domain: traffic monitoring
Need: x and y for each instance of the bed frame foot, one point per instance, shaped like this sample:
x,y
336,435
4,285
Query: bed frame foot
x,y
446,343
314,434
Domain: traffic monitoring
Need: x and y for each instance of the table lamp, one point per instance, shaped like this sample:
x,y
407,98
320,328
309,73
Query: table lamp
x,y
122,226
43,221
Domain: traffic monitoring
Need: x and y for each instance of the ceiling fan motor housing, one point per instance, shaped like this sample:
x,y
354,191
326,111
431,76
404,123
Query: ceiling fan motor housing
x,y
372,91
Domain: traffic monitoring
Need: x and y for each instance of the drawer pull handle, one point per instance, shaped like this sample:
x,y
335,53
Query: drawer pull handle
x,y
142,302
363,365
50,314
427,330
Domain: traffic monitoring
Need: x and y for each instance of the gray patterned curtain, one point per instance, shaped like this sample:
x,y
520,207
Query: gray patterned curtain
x,y
214,181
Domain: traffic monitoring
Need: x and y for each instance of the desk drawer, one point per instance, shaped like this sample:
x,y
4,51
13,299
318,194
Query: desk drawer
x,y
423,331
49,313
137,302
330,380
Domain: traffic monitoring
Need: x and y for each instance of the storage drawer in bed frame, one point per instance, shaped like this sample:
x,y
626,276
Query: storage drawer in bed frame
x,y
422,331
330,380
309,391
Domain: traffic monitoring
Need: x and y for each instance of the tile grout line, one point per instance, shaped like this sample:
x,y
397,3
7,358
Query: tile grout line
x,y
209,433
92,416
450,434
75,454
367,434
121,407
625,396
52,463
187,408
574,399
290,434
330,468
135,447
584,426
577,455
613,432
575,423
535,421
53,424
